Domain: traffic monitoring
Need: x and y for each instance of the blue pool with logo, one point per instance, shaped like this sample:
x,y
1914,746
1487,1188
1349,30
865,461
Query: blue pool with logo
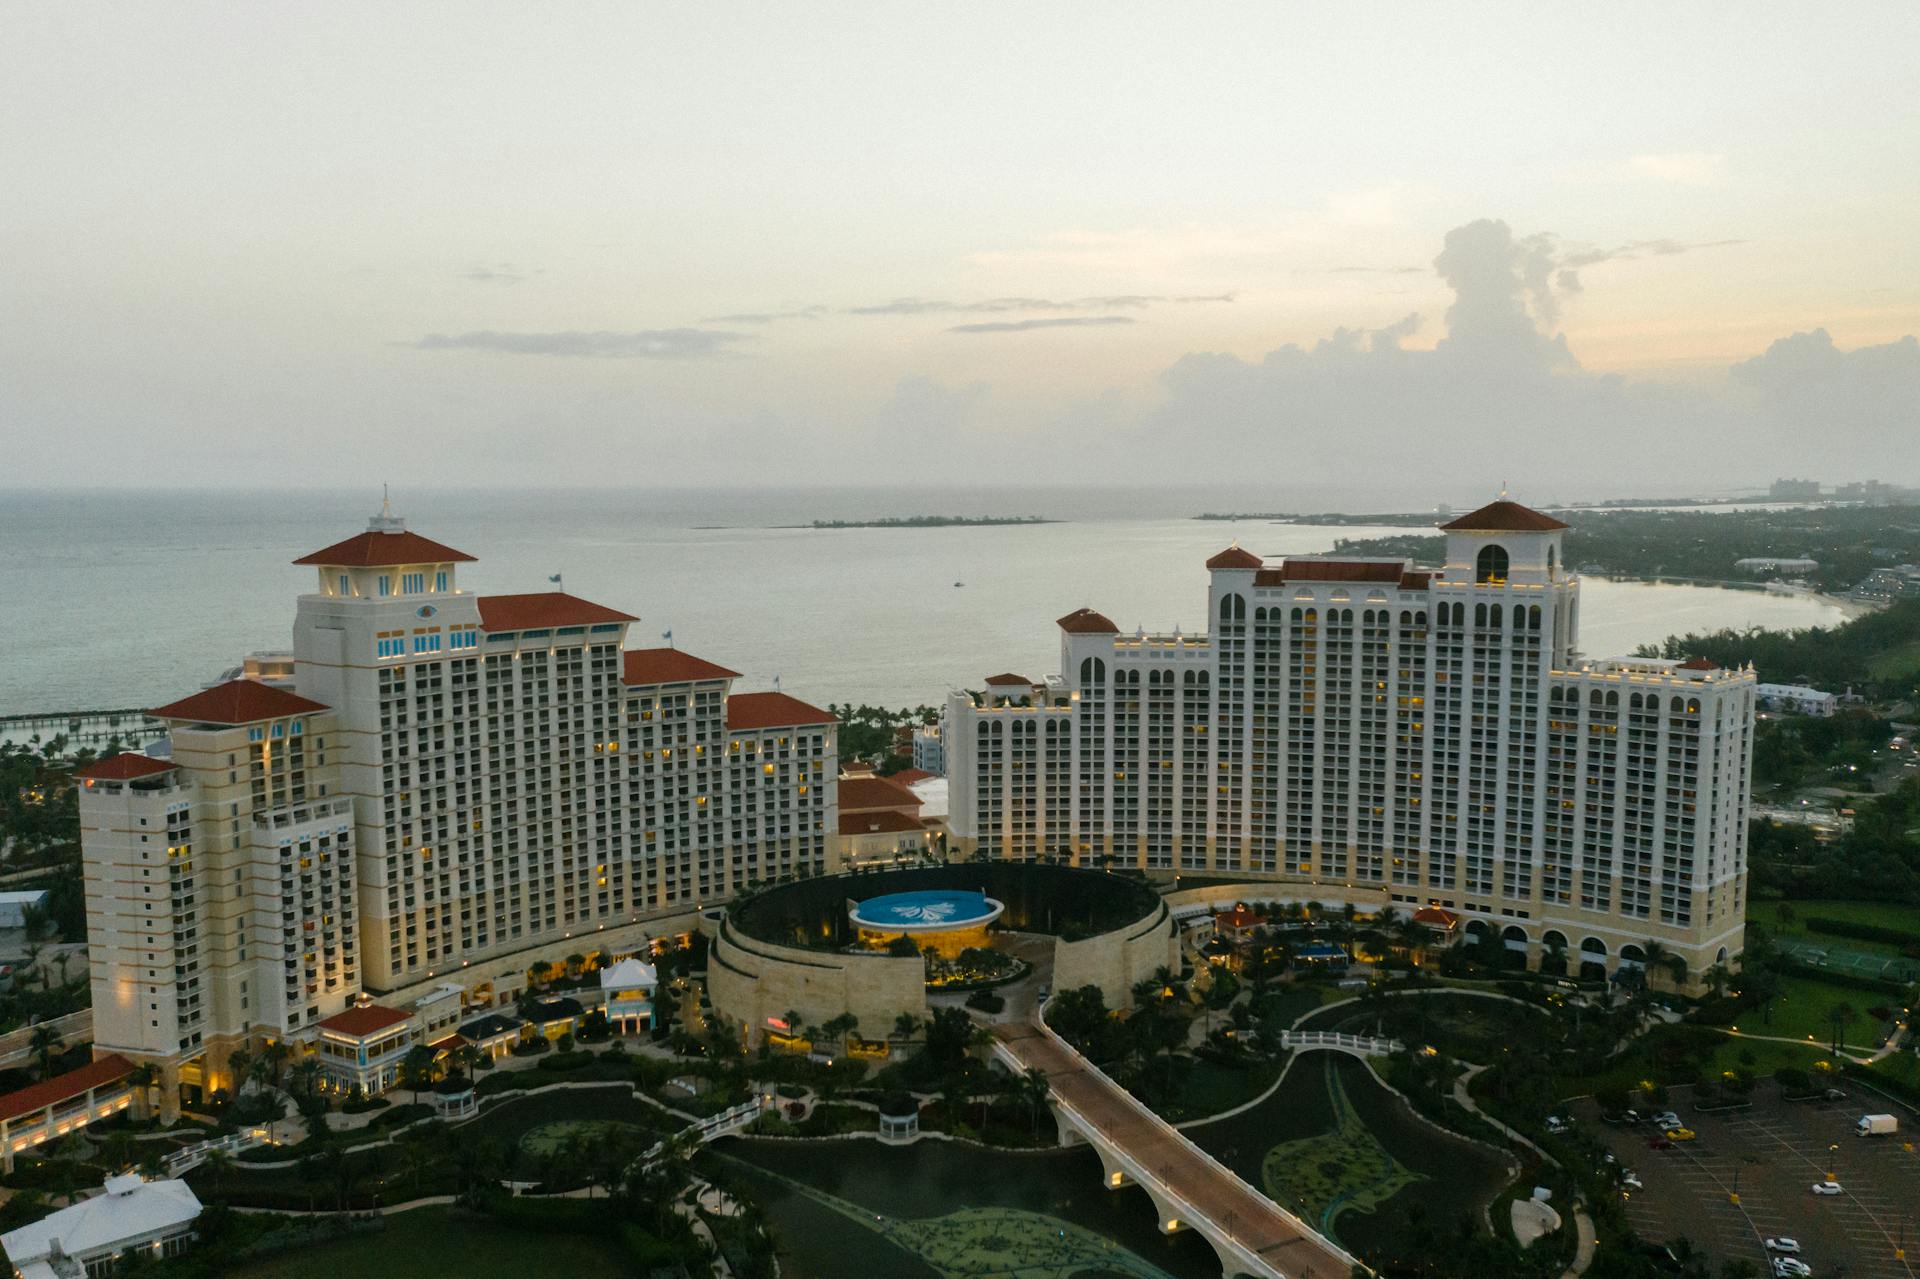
x,y
924,911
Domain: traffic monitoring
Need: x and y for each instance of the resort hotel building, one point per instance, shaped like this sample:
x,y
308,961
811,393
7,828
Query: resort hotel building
x,y
1365,730
436,789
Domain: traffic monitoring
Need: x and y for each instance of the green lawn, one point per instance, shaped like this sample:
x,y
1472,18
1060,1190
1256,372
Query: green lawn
x,y
1804,1009
1896,663
1879,914
441,1241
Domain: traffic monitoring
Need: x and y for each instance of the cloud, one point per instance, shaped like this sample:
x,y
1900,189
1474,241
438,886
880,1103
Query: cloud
x,y
767,317
1058,322
1376,270
1683,168
1500,395
641,344
995,306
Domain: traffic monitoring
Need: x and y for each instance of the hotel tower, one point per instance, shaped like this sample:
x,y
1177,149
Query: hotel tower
x,y
1369,731
433,790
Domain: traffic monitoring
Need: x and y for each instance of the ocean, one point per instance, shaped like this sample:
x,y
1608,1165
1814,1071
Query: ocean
x,y
125,598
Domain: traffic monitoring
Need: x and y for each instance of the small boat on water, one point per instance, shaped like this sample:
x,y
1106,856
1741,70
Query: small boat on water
x,y
959,583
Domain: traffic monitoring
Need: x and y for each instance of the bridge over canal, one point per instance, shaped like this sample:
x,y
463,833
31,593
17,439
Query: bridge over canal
x,y
1189,1188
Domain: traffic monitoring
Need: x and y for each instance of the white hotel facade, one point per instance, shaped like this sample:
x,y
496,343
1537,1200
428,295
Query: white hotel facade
x,y
1365,730
441,788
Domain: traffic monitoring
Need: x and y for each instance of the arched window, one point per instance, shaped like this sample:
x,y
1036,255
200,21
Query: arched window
x,y
1492,564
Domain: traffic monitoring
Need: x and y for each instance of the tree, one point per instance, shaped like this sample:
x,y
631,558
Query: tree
x,y
219,1164
904,1027
1718,978
42,1043
416,1069
1034,1089
1841,1015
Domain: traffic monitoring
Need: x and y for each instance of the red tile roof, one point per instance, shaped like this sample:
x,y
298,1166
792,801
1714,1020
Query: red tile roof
x,y
1325,570
647,666
367,1019
908,776
1235,557
1235,919
124,768
1008,680
882,822
748,712
109,1069
1416,581
544,609
1435,917
374,549
1699,664
448,1044
238,701
861,793
1084,621
1504,517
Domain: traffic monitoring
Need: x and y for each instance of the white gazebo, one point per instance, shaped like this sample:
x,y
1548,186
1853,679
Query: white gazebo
x,y
628,987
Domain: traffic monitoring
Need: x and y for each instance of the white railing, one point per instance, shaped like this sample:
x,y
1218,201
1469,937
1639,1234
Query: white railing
x,y
714,1126
1141,1173
193,1156
1364,1045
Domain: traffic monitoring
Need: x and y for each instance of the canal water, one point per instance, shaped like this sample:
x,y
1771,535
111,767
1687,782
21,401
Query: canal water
x,y
1330,1144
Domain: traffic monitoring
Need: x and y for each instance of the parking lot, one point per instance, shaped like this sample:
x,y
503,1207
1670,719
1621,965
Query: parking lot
x,y
1769,1156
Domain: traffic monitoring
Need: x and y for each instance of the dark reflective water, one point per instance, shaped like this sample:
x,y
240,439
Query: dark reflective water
x,y
1351,1155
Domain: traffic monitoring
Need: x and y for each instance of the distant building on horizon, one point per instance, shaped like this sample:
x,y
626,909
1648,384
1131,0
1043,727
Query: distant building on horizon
x,y
1391,735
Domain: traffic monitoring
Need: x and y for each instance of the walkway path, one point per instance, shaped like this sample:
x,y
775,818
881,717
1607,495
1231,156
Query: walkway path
x,y
1582,1222
1214,1195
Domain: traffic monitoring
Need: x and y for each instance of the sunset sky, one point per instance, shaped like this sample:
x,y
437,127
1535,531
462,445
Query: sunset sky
x,y
668,244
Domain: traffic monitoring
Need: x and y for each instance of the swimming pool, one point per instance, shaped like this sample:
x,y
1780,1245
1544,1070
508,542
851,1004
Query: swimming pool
x,y
934,910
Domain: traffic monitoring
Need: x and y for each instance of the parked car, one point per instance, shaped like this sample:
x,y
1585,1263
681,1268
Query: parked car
x,y
1631,1180
1556,1125
1791,1268
1784,1245
1666,1119
1659,1143
1680,1134
1827,1188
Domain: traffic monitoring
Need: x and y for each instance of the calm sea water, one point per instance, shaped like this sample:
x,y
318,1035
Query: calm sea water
x,y
112,599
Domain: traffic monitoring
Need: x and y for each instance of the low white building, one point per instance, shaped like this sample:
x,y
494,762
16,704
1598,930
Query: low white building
x,y
14,906
929,755
628,988
130,1216
1776,564
1796,698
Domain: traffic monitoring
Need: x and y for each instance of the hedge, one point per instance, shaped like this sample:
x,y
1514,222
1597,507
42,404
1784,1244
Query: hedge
x,y
1862,932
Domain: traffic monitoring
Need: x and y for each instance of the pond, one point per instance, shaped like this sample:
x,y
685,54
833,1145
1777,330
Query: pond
x,y
943,1210
1335,1146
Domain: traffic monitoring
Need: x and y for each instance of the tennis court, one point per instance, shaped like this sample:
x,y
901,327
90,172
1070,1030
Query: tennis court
x,y
1845,959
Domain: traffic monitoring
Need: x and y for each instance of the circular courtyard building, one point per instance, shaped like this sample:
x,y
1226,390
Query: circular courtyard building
x,y
805,953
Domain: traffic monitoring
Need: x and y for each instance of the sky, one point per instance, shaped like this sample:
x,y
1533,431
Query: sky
x,y
1667,248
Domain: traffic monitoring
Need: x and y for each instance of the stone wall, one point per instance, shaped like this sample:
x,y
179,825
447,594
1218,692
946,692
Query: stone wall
x,y
751,981
1115,961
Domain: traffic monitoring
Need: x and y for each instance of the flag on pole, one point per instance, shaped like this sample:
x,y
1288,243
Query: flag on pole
x,y
667,636
555,579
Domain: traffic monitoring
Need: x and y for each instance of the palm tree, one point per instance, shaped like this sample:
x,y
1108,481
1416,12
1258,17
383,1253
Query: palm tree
x,y
1718,978
219,1164
1034,1089
238,1062
904,1025
1556,948
276,1055
42,1043
1654,957
1840,1016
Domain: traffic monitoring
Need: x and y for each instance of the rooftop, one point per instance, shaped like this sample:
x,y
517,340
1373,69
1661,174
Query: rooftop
x,y
95,1074
124,767
130,1208
1008,680
1504,516
1235,557
543,609
879,822
645,666
367,1019
747,712
1084,621
380,548
238,701
860,793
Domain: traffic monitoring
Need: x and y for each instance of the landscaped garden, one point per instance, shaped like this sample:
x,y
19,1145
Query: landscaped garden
x,y
449,1241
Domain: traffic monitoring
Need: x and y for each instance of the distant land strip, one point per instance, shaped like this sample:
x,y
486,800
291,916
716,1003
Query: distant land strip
x,y
929,521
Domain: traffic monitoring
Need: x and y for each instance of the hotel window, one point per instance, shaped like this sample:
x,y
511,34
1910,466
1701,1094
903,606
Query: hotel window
x,y
385,584
346,585
392,647
440,580
413,583
426,643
